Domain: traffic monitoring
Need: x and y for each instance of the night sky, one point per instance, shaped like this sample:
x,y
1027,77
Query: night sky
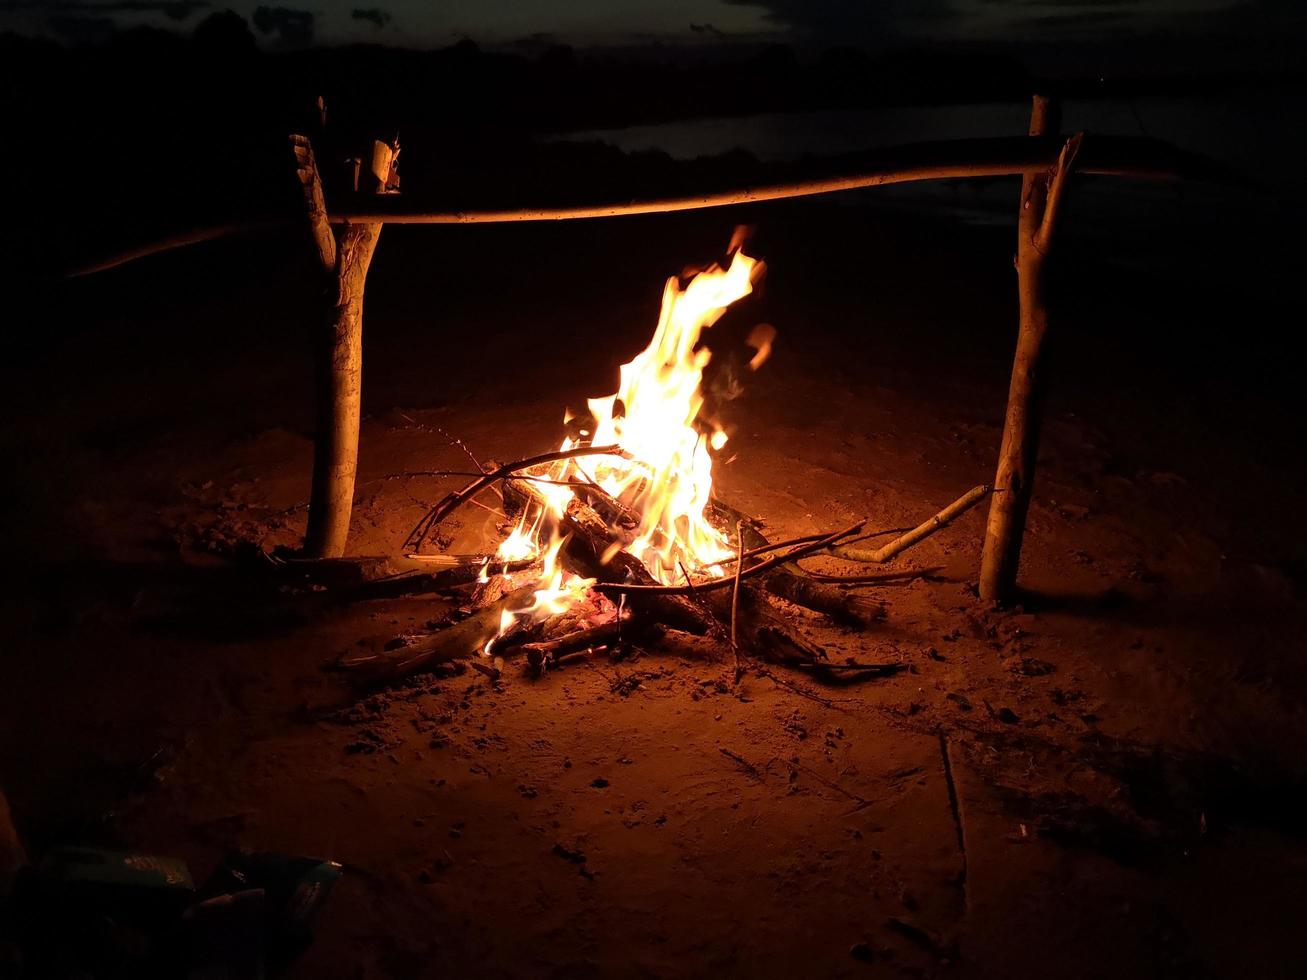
x,y
424,23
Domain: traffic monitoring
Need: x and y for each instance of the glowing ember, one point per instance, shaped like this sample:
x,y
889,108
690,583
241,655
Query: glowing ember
x,y
665,480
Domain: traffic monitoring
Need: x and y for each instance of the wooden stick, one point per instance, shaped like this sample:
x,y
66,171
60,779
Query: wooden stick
x,y
735,597
1041,196
344,258
315,204
339,358
943,160
919,533
767,549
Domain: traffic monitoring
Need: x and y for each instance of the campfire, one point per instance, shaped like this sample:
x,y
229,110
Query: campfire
x,y
618,542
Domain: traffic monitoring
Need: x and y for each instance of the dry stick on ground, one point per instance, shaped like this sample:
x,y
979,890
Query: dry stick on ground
x,y
743,763
450,503
955,807
800,767
919,533
1041,202
859,667
801,692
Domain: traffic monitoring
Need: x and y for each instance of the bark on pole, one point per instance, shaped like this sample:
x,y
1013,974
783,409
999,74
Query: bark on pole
x,y
344,257
1041,199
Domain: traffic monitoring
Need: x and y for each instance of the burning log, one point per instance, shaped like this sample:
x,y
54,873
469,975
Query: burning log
x,y
465,639
458,576
759,629
595,552
550,653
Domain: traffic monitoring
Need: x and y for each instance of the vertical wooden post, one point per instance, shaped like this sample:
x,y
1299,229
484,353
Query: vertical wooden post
x,y
1041,200
338,356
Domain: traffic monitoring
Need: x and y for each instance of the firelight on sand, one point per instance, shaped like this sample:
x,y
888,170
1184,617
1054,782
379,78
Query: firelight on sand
x,y
663,481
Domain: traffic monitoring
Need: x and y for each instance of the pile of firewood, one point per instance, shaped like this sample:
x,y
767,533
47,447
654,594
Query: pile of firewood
x,y
627,608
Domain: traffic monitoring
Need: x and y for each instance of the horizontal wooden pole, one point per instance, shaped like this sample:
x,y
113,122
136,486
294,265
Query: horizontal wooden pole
x,y
1140,158
949,160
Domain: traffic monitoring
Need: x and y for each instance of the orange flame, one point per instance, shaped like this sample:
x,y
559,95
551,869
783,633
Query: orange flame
x,y
665,479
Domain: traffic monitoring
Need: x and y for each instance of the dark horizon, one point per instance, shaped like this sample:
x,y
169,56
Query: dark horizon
x,y
1057,38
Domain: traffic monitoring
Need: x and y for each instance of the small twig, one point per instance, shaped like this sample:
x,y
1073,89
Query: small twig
x,y
689,583
769,548
795,689
721,583
879,669
743,763
453,439
714,624
519,476
877,534
800,767
956,808
489,669
486,507
735,596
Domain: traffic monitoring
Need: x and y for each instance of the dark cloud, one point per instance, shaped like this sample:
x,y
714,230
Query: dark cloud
x,y
708,29
81,30
375,16
97,11
1073,20
1079,5
846,21
291,25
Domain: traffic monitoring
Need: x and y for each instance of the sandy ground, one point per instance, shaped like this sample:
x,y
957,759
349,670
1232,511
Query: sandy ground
x,y
1127,794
